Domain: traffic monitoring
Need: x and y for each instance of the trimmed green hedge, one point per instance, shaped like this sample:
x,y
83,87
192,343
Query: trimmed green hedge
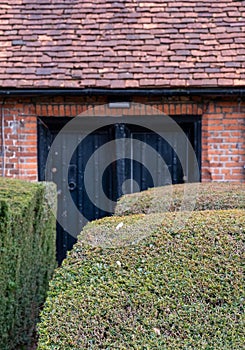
x,y
27,257
172,290
206,196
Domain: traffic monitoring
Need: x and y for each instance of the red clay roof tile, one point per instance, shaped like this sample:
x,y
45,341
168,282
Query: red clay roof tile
x,y
123,43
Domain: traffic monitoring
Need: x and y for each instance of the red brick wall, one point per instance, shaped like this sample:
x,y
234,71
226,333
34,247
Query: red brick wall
x,y
223,142
223,131
20,139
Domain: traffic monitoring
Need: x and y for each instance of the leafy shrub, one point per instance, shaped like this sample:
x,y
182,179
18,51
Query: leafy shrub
x,y
27,257
172,290
205,196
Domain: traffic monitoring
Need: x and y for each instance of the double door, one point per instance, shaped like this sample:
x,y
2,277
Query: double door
x,y
111,161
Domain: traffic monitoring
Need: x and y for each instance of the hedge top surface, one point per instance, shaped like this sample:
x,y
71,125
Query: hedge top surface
x,y
15,184
18,193
205,196
173,290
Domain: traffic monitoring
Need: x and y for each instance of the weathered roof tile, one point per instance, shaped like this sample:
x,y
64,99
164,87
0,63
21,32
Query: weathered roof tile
x,y
123,43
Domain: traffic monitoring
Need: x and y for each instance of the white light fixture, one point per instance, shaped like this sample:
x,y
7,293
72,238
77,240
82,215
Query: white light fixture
x,y
119,105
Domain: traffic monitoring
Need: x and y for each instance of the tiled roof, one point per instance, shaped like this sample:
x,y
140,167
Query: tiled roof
x,y
123,43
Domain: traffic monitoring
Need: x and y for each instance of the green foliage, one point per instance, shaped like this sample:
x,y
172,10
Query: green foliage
x,y
172,290
27,257
203,196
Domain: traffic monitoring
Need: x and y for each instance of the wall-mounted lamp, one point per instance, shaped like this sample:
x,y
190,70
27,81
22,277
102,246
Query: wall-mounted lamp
x,y
119,105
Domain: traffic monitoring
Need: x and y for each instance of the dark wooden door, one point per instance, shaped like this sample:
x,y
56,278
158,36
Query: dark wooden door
x,y
126,173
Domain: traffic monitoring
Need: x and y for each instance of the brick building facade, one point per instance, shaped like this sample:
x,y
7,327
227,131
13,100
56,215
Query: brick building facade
x,y
222,136
131,46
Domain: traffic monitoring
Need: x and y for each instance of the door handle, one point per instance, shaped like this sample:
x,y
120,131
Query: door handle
x,y
72,175
71,186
